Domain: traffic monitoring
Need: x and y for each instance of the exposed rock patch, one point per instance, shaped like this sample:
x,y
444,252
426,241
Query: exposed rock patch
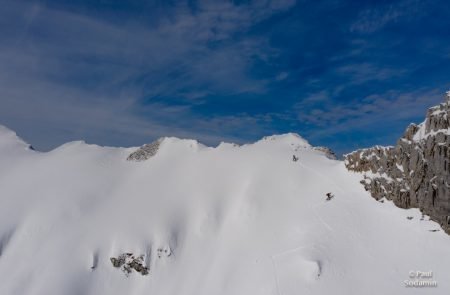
x,y
127,262
145,152
327,151
416,172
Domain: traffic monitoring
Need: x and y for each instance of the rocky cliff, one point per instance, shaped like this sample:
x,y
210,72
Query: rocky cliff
x,y
416,172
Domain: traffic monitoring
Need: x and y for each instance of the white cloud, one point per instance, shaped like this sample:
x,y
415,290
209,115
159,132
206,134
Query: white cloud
x,y
373,19
363,72
65,75
369,111
282,76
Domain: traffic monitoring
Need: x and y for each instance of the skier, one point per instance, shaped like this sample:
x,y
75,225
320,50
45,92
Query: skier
x,y
329,196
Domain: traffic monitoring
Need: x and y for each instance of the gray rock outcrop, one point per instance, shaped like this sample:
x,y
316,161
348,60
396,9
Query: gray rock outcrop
x,y
127,262
146,151
326,151
416,172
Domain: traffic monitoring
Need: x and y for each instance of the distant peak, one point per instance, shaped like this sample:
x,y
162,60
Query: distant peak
x,y
149,150
10,138
436,121
290,138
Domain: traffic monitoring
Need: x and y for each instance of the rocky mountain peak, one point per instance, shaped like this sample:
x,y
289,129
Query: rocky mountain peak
x,y
416,172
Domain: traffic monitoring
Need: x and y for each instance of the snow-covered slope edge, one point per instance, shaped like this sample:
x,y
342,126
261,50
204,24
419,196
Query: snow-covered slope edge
x,y
416,172
225,220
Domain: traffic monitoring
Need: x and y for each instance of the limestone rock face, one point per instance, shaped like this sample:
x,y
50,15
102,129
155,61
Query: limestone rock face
x,y
145,152
416,172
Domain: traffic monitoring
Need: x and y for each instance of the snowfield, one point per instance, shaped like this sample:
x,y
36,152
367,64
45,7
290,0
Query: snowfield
x,y
207,221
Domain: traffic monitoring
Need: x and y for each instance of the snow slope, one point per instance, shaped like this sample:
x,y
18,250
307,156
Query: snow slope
x,y
225,220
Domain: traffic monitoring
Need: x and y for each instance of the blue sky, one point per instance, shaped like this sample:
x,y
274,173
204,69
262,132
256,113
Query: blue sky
x,y
344,74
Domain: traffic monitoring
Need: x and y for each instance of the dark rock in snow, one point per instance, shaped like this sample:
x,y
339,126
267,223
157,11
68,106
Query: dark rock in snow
x,y
327,151
145,152
127,262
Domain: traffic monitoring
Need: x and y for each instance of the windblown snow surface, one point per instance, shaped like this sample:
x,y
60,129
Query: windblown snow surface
x,y
231,220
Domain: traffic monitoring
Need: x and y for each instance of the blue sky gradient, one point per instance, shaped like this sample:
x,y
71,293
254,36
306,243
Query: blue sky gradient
x,y
344,74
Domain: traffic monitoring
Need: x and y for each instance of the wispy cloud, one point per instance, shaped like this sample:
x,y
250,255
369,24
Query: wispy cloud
x,y
373,19
363,72
97,79
216,70
366,112
281,76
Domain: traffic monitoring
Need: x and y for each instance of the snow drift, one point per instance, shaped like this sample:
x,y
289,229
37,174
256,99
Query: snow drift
x,y
225,220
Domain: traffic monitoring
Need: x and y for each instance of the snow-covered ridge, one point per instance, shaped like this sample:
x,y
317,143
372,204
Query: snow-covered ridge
x,y
295,141
248,219
289,138
146,151
10,140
